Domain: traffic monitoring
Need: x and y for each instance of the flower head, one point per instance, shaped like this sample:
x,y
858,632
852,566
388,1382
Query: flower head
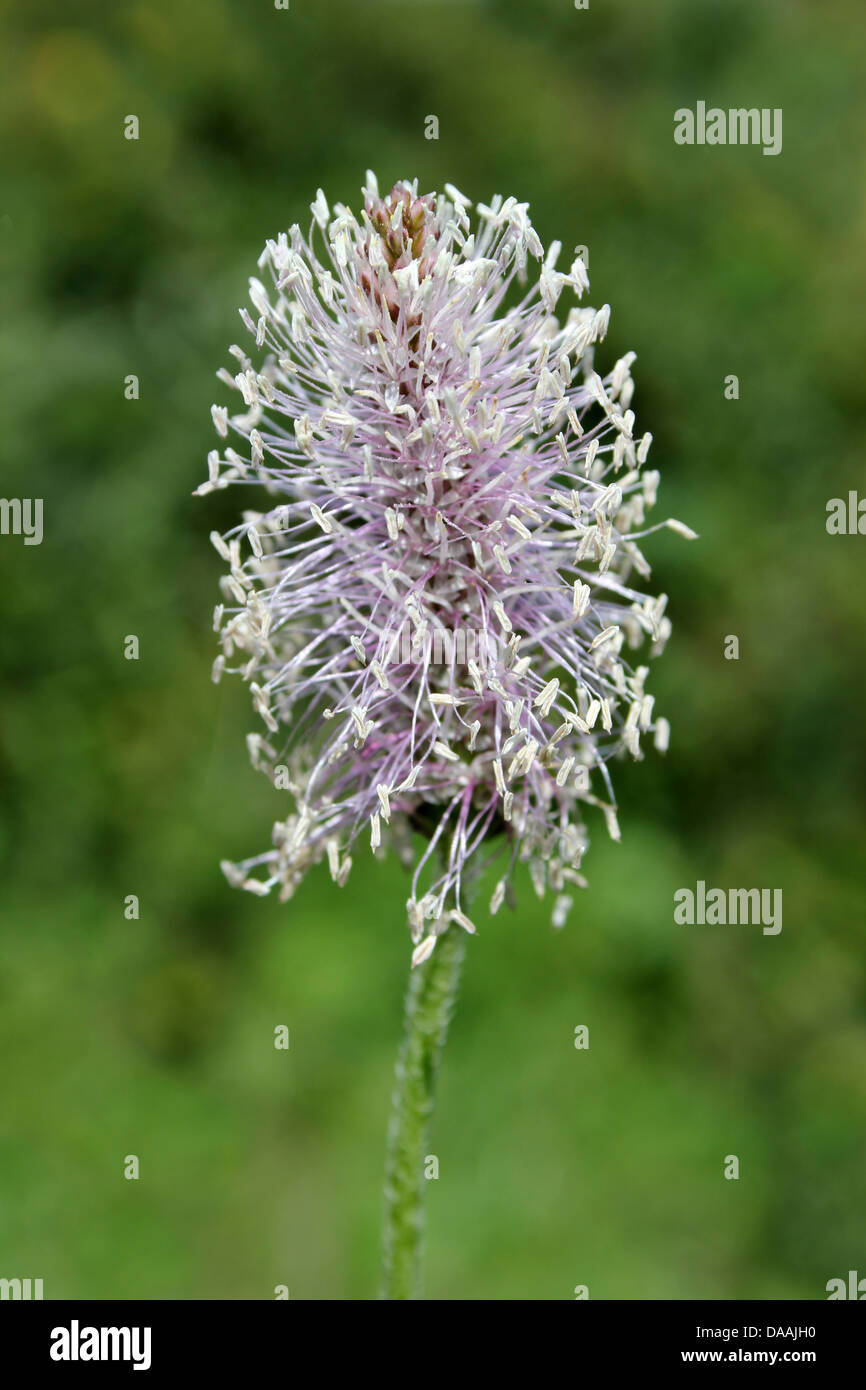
x,y
433,612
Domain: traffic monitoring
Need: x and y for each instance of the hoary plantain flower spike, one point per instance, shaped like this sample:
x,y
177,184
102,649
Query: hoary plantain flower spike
x,y
435,608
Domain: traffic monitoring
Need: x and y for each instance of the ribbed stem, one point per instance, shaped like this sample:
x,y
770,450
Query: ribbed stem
x,y
429,1006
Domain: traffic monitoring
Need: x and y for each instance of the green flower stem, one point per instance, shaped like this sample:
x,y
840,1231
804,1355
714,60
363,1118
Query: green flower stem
x,y
429,1006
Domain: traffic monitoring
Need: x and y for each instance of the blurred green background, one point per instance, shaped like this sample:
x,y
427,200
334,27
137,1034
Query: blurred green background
x,y
155,1037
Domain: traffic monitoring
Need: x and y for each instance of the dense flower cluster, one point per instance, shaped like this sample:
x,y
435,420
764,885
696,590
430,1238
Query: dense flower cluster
x,y
433,611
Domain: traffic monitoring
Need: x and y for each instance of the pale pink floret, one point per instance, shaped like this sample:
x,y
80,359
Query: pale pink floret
x,y
432,612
